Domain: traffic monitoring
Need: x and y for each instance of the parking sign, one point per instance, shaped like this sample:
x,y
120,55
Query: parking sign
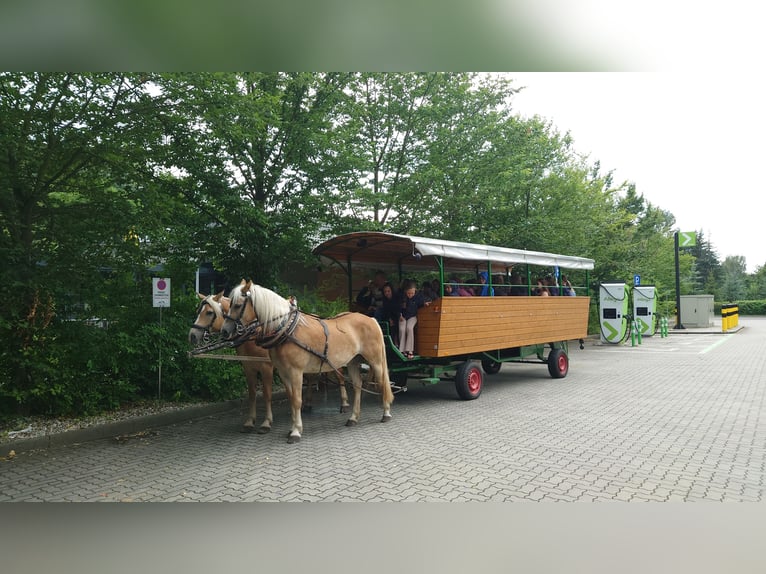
x,y
160,292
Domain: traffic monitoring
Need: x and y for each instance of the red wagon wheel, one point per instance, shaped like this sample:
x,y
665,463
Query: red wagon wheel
x,y
469,380
558,363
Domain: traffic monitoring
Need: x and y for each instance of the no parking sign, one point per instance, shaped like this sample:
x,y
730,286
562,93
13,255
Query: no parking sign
x,y
160,292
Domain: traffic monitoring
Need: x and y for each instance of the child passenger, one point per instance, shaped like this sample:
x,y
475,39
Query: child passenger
x,y
410,303
484,289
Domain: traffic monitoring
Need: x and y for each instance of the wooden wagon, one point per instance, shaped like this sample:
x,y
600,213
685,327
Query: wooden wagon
x,y
461,338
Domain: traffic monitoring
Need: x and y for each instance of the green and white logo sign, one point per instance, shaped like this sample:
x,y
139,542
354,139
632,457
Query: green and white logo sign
x,y
687,238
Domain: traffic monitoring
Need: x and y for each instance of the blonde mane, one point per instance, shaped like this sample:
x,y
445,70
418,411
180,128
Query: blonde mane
x,y
269,306
215,305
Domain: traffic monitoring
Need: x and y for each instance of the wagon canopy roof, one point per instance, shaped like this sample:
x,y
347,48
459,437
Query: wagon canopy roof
x,y
375,248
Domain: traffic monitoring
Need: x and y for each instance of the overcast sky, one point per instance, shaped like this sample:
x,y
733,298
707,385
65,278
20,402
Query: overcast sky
x,y
691,142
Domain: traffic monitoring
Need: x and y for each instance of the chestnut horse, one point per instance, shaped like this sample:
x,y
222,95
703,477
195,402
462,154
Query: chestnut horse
x,y
210,316
299,343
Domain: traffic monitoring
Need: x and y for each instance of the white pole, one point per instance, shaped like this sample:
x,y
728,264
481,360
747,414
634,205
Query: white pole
x,y
159,373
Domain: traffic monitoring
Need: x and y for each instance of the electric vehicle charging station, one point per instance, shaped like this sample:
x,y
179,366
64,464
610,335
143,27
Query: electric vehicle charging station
x,y
613,307
645,308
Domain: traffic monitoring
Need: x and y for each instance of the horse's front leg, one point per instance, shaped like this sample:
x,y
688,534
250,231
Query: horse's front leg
x,y
267,379
294,381
251,375
354,372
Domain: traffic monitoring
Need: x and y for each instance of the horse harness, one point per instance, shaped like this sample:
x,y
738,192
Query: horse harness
x,y
282,333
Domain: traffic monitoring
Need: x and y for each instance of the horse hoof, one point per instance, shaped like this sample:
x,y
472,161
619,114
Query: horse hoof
x,y
246,429
350,423
385,418
292,439
263,430
344,408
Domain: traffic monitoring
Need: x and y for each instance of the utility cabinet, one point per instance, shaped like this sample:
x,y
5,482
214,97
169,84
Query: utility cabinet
x,y
697,310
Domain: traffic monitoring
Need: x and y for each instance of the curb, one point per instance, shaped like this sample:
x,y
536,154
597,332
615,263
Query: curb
x,y
715,330
108,430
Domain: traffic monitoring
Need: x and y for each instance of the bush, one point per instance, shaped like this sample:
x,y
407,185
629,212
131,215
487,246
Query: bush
x,y
745,307
77,367
81,367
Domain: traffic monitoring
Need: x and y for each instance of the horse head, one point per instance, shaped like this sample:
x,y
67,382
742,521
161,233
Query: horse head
x,y
240,314
210,315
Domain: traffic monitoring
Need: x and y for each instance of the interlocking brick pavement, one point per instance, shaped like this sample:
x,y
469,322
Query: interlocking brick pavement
x,y
681,418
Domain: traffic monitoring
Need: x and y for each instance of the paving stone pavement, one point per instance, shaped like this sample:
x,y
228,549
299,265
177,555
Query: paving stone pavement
x,y
681,418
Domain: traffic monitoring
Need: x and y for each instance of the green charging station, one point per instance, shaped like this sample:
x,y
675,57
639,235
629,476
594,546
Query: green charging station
x,y
645,309
613,311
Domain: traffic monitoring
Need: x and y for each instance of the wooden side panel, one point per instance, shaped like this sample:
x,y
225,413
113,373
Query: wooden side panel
x,y
460,325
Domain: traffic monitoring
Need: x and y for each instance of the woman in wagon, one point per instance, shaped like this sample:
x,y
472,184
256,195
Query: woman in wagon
x,y
541,288
553,288
566,287
462,291
390,311
517,285
428,293
411,301
370,298
499,285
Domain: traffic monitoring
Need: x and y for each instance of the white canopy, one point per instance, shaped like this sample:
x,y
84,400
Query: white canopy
x,y
374,248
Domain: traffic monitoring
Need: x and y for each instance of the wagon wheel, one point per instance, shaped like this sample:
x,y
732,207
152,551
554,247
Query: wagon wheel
x,y
468,380
558,363
490,366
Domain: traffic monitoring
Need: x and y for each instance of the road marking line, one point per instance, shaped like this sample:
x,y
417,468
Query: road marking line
x,y
714,345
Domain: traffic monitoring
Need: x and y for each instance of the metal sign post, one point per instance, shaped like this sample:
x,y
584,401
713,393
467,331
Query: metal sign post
x,y
159,365
688,239
160,298
678,324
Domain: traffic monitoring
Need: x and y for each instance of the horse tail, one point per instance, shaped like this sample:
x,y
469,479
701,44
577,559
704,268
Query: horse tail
x,y
385,382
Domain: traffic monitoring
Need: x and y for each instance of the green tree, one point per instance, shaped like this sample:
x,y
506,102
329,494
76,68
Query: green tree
x,y
733,279
707,267
68,157
247,149
756,285
86,210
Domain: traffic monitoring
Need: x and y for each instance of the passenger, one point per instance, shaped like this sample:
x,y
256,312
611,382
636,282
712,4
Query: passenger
x,y
541,289
501,289
464,291
451,289
436,286
566,287
390,311
517,285
370,298
411,301
484,290
427,291
553,287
